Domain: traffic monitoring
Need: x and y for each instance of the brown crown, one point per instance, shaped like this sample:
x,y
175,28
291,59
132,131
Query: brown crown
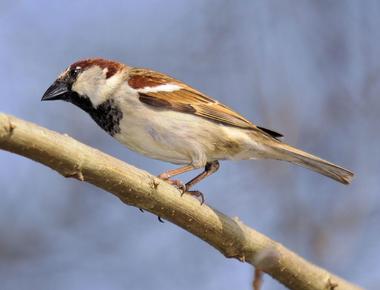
x,y
112,66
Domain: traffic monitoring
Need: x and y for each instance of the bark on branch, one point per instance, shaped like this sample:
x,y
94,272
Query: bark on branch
x,y
140,189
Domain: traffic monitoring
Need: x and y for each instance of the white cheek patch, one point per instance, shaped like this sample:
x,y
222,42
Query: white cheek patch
x,y
88,83
94,84
160,88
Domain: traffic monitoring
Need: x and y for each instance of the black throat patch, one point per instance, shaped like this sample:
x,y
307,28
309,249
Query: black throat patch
x,y
107,115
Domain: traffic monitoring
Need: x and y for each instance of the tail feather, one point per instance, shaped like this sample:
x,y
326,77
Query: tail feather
x,y
299,157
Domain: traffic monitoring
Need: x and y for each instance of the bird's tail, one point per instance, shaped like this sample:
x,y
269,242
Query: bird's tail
x,y
288,153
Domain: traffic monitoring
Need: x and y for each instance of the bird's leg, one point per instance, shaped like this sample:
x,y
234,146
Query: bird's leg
x,y
210,168
170,173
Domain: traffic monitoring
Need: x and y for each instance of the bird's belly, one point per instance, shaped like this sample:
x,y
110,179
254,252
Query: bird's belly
x,y
146,140
181,138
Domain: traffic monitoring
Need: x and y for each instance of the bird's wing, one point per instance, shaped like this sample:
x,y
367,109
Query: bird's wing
x,y
161,91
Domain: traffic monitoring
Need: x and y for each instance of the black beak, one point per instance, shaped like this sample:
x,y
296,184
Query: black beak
x,y
59,90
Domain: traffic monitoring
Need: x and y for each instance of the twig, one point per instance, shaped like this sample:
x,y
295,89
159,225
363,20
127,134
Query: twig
x,y
140,189
257,279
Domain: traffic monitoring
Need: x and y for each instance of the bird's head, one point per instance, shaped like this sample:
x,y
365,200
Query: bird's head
x,y
87,82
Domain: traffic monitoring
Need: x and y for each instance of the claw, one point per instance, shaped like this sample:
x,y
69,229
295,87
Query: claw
x,y
183,188
177,183
160,219
196,193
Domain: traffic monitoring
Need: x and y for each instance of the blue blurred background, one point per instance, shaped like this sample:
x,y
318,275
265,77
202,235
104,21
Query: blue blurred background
x,y
308,69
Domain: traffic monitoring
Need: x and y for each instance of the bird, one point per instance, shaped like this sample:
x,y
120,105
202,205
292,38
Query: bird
x,y
163,118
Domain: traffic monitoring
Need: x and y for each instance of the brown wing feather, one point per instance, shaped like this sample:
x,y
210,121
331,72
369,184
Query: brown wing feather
x,y
187,99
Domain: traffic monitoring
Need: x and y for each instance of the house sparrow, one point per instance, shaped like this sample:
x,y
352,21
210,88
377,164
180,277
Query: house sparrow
x,y
163,118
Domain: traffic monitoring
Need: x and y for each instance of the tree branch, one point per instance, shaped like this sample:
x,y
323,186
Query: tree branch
x,y
140,189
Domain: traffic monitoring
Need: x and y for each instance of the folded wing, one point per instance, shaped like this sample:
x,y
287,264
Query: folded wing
x,y
161,91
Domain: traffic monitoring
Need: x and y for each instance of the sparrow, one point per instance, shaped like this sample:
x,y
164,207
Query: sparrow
x,y
163,118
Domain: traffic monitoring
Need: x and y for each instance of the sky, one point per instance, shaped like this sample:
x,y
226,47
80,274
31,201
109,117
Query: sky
x,y
307,69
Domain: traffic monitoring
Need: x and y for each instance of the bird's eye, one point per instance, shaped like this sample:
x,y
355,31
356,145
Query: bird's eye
x,y
74,72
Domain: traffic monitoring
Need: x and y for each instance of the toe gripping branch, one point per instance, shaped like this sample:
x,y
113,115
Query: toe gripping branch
x,y
210,168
